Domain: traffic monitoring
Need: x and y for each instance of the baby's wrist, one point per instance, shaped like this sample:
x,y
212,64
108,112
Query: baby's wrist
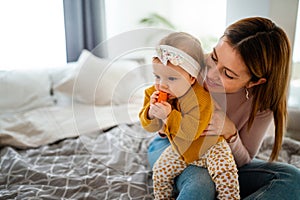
x,y
150,117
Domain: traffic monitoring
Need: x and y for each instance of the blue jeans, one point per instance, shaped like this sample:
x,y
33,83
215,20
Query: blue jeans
x,y
258,179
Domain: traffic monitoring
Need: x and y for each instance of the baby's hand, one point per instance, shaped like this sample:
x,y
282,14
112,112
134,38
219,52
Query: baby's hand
x,y
159,107
154,97
160,110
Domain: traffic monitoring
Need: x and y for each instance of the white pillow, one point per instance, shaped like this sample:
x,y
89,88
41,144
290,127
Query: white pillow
x,y
57,74
23,90
100,81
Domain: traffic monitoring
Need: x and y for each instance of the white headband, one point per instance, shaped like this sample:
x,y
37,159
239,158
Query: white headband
x,y
177,57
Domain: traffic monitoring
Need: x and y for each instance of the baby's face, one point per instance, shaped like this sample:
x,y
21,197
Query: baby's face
x,y
171,79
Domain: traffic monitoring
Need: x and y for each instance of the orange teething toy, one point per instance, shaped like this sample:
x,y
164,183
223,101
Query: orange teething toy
x,y
162,96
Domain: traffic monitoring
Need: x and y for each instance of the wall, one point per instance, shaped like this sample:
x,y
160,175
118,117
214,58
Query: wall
x,y
201,18
284,13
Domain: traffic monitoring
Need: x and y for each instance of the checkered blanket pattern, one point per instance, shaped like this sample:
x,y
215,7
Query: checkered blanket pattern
x,y
106,165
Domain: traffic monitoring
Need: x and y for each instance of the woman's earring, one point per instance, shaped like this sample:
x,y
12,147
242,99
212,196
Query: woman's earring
x,y
247,93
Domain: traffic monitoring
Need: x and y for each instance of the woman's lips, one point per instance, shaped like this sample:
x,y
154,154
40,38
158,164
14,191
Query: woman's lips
x,y
211,83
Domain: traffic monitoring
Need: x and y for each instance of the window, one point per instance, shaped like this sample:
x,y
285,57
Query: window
x,y
294,93
32,34
201,18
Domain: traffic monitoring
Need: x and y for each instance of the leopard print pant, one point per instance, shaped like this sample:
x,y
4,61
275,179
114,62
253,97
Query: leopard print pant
x,y
218,160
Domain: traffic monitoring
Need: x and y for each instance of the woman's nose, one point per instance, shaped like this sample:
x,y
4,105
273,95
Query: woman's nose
x,y
213,72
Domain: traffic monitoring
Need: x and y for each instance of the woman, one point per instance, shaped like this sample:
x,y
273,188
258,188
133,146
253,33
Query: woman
x,y
251,63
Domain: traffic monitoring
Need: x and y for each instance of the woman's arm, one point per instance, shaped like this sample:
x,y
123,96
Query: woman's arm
x,y
231,114
248,142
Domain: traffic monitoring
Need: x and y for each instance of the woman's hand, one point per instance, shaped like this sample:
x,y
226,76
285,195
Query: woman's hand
x,y
220,124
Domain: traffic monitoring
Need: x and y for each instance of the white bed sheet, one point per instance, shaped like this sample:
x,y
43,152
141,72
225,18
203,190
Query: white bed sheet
x,y
49,124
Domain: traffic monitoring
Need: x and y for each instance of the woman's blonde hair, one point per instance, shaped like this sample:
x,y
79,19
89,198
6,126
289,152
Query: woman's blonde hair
x,y
266,51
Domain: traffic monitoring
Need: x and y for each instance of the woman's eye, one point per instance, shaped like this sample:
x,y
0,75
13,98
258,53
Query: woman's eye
x,y
226,74
213,58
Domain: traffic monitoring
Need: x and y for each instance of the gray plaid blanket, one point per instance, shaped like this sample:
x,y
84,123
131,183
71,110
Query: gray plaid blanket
x,y
110,164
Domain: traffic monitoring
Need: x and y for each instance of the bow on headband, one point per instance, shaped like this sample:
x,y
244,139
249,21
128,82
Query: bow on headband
x,y
177,57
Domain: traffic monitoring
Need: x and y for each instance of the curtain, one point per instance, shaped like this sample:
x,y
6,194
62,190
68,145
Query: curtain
x,y
84,26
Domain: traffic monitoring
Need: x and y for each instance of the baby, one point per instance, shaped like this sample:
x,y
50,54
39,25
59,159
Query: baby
x,y
183,117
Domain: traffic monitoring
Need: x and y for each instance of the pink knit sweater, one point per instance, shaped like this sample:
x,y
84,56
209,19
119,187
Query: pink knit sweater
x,y
238,109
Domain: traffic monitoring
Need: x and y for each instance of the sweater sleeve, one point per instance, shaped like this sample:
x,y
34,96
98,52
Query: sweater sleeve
x,y
248,142
192,118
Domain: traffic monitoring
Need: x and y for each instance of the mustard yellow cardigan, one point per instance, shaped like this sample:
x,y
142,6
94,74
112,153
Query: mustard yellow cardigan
x,y
189,117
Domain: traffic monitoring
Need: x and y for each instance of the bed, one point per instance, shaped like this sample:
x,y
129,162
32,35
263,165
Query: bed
x,y
59,143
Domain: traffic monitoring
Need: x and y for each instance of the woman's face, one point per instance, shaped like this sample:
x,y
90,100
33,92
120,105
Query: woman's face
x,y
227,71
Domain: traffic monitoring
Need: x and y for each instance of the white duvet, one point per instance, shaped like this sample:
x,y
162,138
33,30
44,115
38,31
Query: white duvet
x,y
49,124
